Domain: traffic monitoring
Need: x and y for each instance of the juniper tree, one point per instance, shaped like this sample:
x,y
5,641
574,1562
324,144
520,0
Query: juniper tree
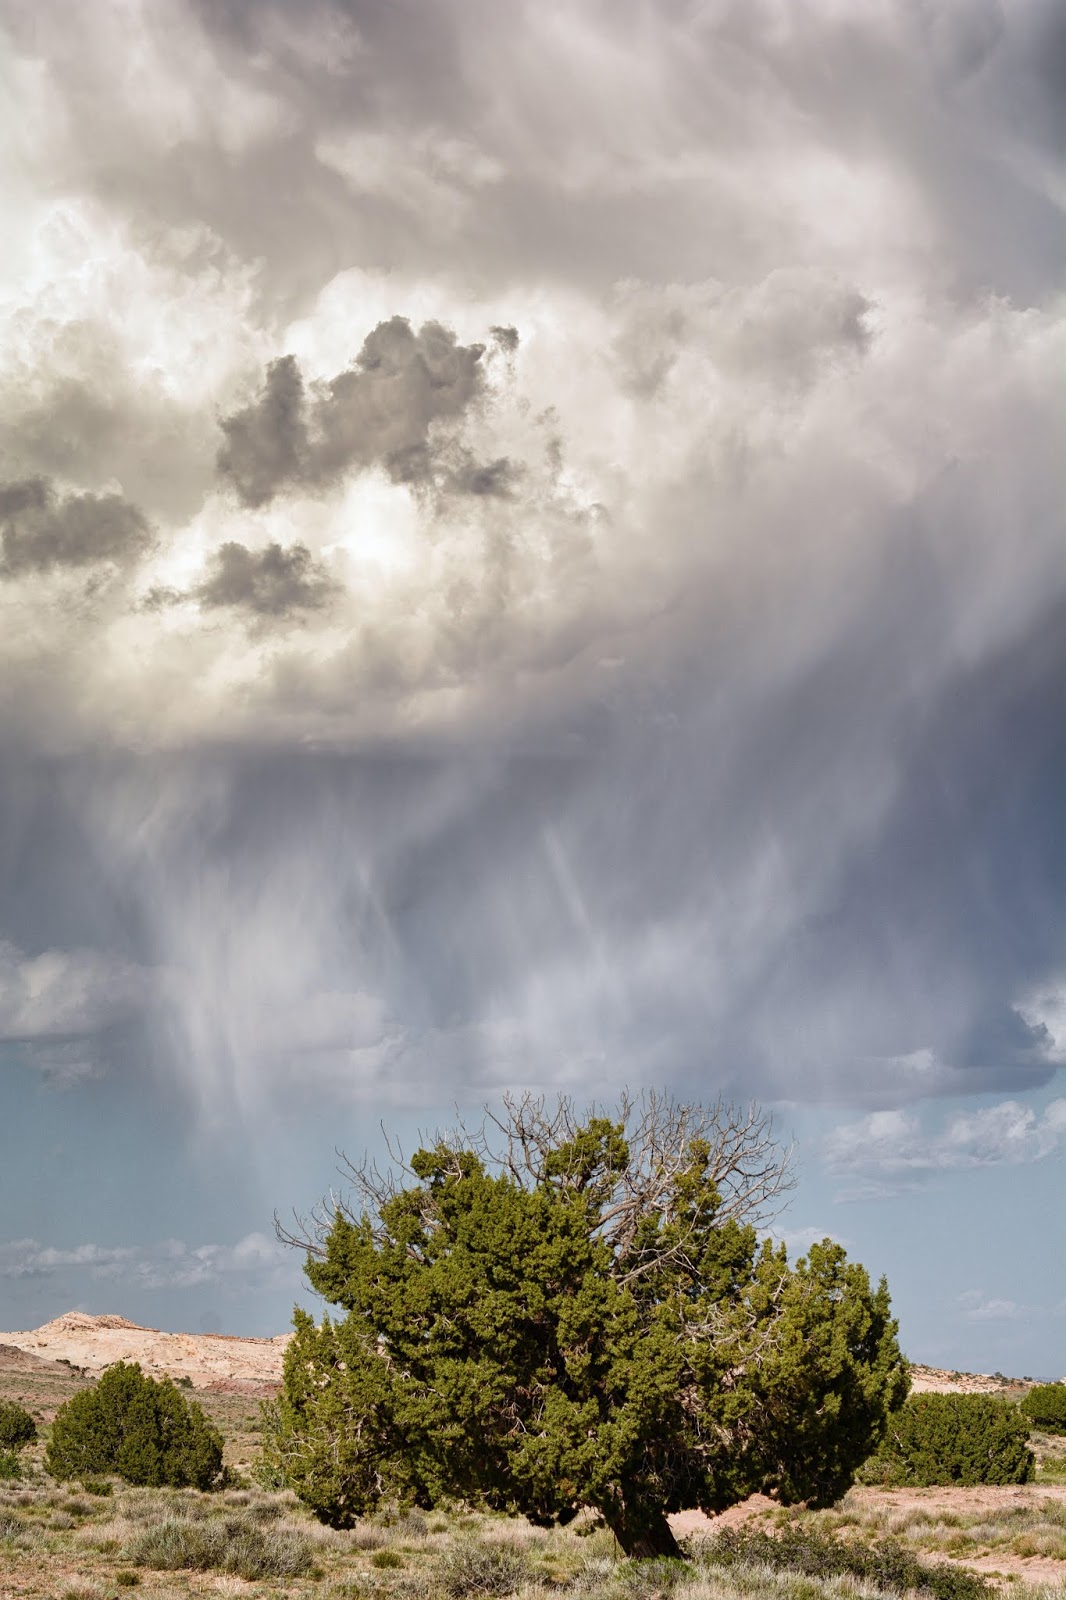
x,y
563,1311
954,1439
1045,1407
141,1428
17,1427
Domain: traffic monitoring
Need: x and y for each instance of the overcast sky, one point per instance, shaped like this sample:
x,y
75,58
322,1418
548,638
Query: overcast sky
x,y
531,555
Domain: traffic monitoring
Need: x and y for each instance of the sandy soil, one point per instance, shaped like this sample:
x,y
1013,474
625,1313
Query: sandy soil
x,y
229,1365
938,1380
216,1361
990,1500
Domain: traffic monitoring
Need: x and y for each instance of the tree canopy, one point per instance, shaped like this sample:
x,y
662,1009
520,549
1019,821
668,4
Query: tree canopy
x,y
17,1427
1045,1407
953,1439
567,1310
141,1428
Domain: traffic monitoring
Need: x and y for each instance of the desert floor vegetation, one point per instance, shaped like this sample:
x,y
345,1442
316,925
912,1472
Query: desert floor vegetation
x,y
103,1539
979,1526
68,1542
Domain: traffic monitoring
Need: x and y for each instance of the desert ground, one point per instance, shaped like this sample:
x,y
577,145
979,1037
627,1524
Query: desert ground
x,y
63,1542
218,1361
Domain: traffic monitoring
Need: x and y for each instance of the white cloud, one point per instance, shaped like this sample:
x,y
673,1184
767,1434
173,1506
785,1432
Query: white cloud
x,y
978,1307
429,173
63,993
150,75
799,1240
788,367
896,1141
257,1260
1043,1009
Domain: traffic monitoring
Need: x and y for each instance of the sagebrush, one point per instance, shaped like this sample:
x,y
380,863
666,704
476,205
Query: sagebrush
x,y
238,1545
886,1564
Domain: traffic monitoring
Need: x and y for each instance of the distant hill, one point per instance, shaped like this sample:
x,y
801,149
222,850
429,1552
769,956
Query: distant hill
x,y
230,1364
926,1380
219,1361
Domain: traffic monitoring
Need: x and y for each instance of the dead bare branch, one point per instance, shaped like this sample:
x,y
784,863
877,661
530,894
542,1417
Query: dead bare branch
x,y
745,1172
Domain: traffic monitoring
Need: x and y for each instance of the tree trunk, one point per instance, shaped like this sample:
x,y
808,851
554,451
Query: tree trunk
x,y
644,1536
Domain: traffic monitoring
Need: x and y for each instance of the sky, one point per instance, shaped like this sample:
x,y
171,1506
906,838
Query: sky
x,y
531,557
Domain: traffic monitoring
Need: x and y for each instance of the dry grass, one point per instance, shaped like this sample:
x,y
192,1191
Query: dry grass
x,y
89,1542
1050,1452
60,1544
1021,1524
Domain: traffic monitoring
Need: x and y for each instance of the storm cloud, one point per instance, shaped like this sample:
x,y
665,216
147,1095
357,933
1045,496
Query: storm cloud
x,y
377,412
271,582
41,530
642,658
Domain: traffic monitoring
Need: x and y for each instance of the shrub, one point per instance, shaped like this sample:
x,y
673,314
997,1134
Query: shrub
x,y
953,1439
268,1468
1045,1407
142,1429
17,1427
235,1545
887,1565
651,1580
386,1558
470,1568
9,1466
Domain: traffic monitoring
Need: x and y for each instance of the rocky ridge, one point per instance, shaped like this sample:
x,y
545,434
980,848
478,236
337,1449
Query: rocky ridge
x,y
231,1363
222,1362
938,1380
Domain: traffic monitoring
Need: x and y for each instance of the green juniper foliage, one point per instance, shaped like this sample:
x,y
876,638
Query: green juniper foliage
x,y
582,1317
140,1428
953,1439
1045,1407
17,1427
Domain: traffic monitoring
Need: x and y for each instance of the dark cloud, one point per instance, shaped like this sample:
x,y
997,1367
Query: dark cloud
x,y
378,412
713,782
266,443
41,530
491,479
272,582
104,427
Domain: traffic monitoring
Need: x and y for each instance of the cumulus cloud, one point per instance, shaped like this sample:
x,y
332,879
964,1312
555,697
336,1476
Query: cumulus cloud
x,y
895,1141
678,684
266,442
379,411
68,993
41,530
798,1241
1043,1009
271,582
170,1264
979,1307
